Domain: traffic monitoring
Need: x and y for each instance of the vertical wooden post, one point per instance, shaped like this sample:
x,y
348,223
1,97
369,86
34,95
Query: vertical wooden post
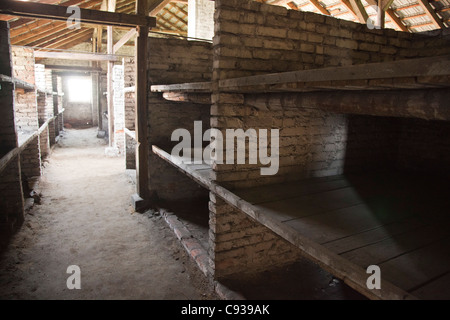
x,y
141,199
110,46
110,87
381,14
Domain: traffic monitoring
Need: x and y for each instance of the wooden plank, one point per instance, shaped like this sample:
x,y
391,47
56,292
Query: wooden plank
x,y
288,190
193,97
437,289
183,87
201,174
75,56
17,82
365,238
337,224
387,249
352,275
396,69
48,11
410,270
130,133
310,205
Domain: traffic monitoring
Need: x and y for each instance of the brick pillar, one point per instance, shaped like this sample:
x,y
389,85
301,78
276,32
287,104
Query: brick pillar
x,y
237,242
30,159
201,19
119,108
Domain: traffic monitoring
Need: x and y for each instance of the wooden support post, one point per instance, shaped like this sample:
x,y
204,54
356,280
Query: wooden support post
x,y
381,14
140,200
110,50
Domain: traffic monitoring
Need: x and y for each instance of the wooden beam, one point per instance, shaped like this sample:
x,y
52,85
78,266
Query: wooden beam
x,y
48,11
349,7
319,7
72,68
391,14
155,6
75,56
381,15
425,5
184,87
110,90
126,37
359,10
142,152
434,66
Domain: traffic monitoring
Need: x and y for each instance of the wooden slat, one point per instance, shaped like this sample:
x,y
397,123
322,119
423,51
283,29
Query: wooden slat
x,y
436,289
17,82
398,245
368,237
201,175
338,224
418,267
289,190
309,205
40,10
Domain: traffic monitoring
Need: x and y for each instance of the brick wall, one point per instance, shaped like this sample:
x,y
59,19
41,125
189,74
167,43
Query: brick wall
x,y
424,147
129,81
253,38
26,111
30,159
174,61
129,67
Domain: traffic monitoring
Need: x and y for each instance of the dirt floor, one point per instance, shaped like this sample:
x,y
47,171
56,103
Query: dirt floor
x,y
85,219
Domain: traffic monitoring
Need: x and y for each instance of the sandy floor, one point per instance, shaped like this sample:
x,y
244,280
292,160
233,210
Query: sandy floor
x,y
85,219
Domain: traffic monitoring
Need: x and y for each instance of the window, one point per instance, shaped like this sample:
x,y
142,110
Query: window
x,y
80,89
